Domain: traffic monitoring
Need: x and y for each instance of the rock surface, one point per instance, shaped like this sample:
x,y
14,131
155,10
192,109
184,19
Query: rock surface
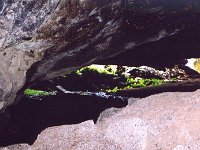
x,y
44,39
169,121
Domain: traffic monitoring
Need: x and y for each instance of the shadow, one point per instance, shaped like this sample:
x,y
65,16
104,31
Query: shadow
x,y
30,116
162,53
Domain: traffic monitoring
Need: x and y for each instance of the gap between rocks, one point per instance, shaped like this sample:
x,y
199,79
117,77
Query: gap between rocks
x,y
31,116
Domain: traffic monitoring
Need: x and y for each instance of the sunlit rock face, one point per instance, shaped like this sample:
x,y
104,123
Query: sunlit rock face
x,y
44,39
194,63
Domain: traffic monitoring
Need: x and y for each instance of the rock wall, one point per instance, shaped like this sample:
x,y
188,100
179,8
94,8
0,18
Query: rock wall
x,y
19,21
42,39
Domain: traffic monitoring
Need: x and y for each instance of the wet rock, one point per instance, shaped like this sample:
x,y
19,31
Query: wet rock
x,y
162,121
43,39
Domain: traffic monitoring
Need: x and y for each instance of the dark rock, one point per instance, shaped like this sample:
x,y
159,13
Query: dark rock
x,y
43,39
178,72
162,53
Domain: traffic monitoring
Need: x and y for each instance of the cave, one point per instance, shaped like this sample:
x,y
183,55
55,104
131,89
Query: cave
x,y
42,42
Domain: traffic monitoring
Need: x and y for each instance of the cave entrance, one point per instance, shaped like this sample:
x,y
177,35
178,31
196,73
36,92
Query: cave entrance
x,y
84,94
113,79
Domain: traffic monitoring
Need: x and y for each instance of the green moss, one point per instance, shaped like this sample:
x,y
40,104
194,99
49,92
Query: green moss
x,y
111,78
136,83
32,92
113,90
141,82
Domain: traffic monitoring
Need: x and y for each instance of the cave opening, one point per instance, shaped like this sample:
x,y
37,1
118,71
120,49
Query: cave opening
x,y
40,41
84,94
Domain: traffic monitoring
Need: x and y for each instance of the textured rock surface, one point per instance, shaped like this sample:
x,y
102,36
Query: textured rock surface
x,y
163,121
48,38
19,21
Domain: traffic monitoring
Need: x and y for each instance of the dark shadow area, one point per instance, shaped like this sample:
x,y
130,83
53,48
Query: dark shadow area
x,y
162,53
30,116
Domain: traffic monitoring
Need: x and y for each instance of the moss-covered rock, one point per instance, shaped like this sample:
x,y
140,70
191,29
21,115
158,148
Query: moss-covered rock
x,y
32,92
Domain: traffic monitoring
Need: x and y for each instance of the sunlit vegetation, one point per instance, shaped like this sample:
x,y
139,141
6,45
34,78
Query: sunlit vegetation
x,y
137,83
141,82
120,72
32,92
98,78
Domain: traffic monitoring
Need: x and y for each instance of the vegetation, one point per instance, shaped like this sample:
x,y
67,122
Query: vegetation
x,y
141,82
32,92
95,71
137,83
105,78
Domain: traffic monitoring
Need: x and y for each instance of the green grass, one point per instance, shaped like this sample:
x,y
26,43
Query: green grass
x,y
32,92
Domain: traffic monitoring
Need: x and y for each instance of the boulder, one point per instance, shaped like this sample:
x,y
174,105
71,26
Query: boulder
x,y
40,40
163,121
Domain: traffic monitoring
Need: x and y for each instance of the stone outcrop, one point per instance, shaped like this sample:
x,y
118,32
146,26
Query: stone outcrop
x,y
163,121
42,39
19,21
